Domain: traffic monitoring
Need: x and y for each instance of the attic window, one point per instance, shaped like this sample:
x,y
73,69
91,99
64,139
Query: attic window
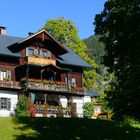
x,y
31,52
46,54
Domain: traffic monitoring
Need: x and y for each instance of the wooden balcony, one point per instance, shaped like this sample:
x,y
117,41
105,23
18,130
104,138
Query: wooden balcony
x,y
41,61
47,85
10,84
37,84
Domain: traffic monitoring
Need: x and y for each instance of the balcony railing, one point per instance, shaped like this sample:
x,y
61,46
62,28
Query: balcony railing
x,y
47,85
10,84
52,86
42,61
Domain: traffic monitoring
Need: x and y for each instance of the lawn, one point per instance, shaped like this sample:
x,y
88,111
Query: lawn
x,y
12,128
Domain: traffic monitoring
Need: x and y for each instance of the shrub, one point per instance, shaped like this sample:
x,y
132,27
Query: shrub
x,y
22,108
88,110
130,120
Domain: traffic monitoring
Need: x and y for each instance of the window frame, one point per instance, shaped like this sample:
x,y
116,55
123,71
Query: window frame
x,y
5,103
6,75
31,54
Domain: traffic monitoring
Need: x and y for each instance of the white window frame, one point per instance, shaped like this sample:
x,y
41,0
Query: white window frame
x,y
5,103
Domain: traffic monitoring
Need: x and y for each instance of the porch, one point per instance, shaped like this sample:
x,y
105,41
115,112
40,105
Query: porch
x,y
53,105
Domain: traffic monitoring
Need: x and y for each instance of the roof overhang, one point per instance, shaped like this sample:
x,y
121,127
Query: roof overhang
x,y
43,37
42,67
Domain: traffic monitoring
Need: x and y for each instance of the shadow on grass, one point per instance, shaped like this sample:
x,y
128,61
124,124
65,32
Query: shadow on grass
x,y
74,129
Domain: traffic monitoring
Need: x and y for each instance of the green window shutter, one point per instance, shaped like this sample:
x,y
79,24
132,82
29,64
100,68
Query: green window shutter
x,y
27,52
0,74
0,103
41,53
9,104
8,74
35,51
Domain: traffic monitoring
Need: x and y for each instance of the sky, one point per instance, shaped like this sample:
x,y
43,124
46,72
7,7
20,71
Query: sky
x,y
23,16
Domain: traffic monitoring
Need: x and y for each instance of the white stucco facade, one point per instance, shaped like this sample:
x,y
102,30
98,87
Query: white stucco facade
x,y
13,96
64,101
79,106
87,99
79,101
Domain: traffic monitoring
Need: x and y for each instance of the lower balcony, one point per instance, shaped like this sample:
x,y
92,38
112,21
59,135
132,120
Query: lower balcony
x,y
10,84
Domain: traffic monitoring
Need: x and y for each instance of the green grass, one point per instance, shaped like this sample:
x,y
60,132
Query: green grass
x,y
12,128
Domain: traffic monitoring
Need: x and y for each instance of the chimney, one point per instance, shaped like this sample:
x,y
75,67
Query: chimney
x,y
30,33
2,30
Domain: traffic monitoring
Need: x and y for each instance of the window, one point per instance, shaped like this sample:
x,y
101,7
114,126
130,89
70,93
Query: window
x,y
70,80
5,103
48,54
44,54
31,52
4,74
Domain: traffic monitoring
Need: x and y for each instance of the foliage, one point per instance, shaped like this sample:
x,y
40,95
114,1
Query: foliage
x,y
22,108
102,99
96,48
88,109
130,120
66,33
118,23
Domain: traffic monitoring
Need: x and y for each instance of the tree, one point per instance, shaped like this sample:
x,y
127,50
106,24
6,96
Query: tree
x,y
66,33
119,25
88,109
96,48
22,108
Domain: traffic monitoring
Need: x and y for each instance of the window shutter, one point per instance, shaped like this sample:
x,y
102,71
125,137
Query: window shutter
x,y
69,80
0,103
48,54
0,75
9,104
8,74
41,53
35,51
27,52
66,80
73,80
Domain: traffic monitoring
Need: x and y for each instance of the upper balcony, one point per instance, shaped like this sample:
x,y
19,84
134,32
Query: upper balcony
x,y
41,61
10,84
36,84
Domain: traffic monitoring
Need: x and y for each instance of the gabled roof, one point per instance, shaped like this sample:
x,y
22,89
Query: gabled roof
x,y
6,41
71,58
60,49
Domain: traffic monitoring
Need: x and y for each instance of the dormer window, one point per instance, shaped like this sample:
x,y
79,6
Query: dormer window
x,y
31,52
46,54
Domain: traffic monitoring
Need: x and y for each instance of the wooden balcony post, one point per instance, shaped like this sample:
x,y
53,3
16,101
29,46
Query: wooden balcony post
x,y
27,76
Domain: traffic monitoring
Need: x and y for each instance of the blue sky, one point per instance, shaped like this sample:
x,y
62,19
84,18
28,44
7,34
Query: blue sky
x,y
23,16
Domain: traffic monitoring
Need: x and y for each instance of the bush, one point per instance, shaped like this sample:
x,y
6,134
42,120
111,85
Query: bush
x,y
88,110
130,120
22,108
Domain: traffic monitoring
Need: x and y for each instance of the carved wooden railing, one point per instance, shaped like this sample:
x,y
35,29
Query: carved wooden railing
x,y
10,84
42,61
47,85
37,84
